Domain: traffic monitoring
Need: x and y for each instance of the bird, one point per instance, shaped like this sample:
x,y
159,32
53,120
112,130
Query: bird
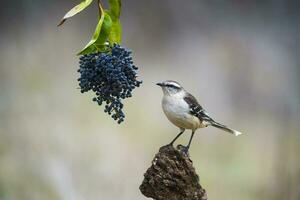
x,y
184,111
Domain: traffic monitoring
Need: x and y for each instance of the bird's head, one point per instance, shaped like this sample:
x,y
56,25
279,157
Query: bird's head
x,y
171,87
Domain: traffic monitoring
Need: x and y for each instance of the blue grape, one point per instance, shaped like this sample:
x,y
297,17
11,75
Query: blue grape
x,y
112,76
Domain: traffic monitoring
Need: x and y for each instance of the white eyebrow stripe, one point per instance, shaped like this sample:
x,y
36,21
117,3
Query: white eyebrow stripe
x,y
173,84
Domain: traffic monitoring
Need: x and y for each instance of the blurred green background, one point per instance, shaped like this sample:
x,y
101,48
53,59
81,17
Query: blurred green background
x,y
240,58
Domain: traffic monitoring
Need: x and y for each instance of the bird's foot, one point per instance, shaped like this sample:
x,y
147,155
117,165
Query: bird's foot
x,y
183,149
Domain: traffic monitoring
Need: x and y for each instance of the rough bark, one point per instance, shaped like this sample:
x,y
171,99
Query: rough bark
x,y
172,177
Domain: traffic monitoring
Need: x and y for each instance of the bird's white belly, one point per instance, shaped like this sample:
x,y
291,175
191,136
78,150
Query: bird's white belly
x,y
177,111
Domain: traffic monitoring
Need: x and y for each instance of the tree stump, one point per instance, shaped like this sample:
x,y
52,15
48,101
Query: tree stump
x,y
172,177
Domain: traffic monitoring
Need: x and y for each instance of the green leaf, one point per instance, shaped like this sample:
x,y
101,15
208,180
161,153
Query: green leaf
x,y
105,30
115,9
88,49
90,46
115,33
97,43
114,12
75,10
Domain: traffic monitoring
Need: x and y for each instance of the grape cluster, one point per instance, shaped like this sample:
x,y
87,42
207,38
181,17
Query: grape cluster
x,y
111,76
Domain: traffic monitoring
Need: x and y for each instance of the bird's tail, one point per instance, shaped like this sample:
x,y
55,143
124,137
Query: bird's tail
x,y
225,128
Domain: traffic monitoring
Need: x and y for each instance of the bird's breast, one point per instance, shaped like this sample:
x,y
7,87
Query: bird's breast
x,y
178,112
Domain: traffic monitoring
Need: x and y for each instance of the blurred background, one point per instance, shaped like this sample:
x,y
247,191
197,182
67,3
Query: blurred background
x,y
240,58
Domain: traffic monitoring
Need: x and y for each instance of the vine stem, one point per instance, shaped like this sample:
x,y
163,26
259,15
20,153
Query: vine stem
x,y
100,8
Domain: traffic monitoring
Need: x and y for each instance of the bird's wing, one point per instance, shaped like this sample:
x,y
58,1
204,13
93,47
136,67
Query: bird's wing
x,y
196,109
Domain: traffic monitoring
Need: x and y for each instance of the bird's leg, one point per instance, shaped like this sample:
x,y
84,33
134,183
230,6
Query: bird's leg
x,y
191,138
182,131
185,149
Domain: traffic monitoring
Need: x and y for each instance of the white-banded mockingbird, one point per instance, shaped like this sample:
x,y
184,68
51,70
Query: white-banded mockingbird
x,y
184,111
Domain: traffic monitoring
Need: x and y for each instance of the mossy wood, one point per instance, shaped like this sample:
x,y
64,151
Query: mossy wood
x,y
172,177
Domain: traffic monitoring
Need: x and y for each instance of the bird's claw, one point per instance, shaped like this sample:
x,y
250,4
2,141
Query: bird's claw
x,y
183,149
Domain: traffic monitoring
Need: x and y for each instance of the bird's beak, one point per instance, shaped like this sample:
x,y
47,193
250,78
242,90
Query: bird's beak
x,y
159,84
